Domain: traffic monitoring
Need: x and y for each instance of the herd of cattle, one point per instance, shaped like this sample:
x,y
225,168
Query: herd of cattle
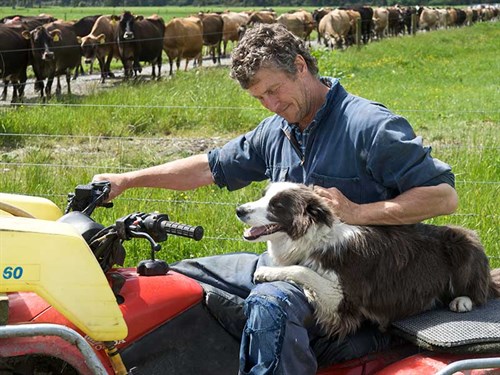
x,y
54,47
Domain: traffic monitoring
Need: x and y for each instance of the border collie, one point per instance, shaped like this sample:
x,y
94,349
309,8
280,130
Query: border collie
x,y
353,273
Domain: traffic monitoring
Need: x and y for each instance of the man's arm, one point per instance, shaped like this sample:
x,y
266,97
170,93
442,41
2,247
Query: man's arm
x,y
183,174
410,207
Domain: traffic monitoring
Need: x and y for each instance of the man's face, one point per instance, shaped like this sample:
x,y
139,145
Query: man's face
x,y
281,93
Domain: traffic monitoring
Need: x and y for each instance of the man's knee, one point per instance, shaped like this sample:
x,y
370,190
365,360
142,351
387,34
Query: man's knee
x,y
281,296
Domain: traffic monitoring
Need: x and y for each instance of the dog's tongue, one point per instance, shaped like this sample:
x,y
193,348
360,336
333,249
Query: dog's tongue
x,y
256,232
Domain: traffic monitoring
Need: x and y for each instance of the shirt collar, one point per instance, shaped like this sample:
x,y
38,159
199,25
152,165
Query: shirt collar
x,y
336,91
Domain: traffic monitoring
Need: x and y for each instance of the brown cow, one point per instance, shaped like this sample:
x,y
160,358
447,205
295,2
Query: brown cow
x,y
26,23
100,44
82,27
256,17
354,16
262,16
231,31
29,22
213,28
395,21
14,54
299,23
335,27
140,39
55,51
183,39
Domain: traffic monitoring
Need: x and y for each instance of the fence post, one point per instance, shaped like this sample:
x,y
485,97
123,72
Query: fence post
x,y
358,32
414,23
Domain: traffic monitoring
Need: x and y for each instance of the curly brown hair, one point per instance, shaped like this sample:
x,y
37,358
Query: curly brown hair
x,y
269,46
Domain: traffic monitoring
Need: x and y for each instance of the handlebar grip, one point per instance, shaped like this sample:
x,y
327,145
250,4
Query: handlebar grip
x,y
184,230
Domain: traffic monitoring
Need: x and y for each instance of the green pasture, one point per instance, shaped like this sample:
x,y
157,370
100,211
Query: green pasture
x,y
445,82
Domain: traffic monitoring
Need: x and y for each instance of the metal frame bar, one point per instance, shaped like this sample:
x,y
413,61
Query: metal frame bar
x,y
67,334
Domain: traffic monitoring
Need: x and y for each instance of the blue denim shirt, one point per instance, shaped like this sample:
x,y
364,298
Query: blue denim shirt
x,y
353,144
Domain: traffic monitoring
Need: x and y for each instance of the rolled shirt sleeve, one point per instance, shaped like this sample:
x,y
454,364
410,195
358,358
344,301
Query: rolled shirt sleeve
x,y
398,159
238,162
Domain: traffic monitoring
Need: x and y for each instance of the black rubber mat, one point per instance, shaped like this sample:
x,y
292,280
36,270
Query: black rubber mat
x,y
442,329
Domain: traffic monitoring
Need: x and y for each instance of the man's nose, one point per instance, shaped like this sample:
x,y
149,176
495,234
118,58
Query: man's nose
x,y
271,103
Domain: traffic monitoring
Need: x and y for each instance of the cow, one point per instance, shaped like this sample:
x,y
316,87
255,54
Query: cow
x,y
183,39
256,17
14,55
55,51
213,29
461,17
444,18
262,16
366,14
231,31
335,27
408,15
487,13
29,22
82,27
452,15
140,39
317,15
380,22
428,18
354,16
469,12
100,44
300,23
395,21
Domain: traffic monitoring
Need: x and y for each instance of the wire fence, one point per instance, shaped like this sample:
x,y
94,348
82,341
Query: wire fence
x,y
5,165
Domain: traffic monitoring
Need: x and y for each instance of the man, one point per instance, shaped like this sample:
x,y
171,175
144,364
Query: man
x,y
370,165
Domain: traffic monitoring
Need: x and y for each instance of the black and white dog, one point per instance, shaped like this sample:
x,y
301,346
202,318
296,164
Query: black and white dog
x,y
354,273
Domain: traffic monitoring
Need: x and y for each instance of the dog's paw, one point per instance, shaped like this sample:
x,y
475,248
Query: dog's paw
x,y
461,304
263,274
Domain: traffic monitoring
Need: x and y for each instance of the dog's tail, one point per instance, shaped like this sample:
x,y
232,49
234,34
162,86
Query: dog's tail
x,y
495,282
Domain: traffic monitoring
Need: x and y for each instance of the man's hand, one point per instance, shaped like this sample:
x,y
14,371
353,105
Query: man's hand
x,y
412,206
118,183
342,207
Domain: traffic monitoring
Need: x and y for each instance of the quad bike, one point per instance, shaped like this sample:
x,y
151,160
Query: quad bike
x,y
66,309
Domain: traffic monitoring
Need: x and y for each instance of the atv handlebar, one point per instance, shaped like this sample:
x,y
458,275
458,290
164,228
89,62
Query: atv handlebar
x,y
158,227
106,242
184,230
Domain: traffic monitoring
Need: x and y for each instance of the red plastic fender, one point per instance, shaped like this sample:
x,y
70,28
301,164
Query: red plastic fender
x,y
371,363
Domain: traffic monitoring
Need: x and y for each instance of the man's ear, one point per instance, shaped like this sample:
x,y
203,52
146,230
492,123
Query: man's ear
x,y
301,64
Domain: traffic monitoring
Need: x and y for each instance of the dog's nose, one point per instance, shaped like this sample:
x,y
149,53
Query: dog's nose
x,y
241,211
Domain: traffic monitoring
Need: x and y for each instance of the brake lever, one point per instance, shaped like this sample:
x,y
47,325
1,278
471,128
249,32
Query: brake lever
x,y
155,247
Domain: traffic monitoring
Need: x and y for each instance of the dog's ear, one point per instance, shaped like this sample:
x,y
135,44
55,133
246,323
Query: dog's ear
x,y
319,211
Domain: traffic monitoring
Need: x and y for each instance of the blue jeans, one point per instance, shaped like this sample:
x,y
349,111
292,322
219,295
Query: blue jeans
x,y
274,320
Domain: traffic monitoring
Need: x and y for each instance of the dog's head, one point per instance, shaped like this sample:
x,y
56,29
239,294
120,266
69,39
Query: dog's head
x,y
285,209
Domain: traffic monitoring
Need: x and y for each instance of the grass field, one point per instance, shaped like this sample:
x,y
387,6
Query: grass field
x,y
445,82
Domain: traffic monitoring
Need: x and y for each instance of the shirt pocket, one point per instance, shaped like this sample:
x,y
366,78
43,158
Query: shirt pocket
x,y
277,174
350,187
